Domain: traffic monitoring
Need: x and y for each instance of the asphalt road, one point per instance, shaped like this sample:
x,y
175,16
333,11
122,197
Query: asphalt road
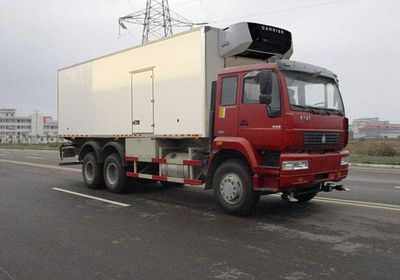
x,y
158,233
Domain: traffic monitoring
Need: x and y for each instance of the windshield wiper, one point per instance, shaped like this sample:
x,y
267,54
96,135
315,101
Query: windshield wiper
x,y
315,110
321,109
303,107
335,111
329,110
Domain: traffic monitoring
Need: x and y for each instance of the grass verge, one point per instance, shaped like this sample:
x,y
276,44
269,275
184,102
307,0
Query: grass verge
x,y
374,151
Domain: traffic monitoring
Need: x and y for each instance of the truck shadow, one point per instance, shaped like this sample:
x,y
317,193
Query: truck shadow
x,y
269,208
196,198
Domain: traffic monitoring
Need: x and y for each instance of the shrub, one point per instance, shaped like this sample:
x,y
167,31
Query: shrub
x,y
381,149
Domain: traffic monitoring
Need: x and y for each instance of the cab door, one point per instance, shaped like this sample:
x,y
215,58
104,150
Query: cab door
x,y
260,124
227,112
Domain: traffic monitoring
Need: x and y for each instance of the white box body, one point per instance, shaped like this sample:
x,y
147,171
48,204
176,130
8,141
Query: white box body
x,y
161,89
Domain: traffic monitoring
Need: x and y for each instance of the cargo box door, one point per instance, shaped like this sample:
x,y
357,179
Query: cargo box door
x,y
142,102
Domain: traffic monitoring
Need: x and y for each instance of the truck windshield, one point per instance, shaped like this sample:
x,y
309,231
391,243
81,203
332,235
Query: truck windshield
x,y
310,92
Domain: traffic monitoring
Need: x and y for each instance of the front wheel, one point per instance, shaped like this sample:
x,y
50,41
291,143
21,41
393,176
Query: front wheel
x,y
233,187
114,174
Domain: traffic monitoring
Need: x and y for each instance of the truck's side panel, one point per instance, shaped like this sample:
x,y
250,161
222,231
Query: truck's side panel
x,y
95,97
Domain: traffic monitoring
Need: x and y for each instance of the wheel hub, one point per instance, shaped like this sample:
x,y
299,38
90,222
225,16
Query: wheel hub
x,y
89,171
231,188
112,173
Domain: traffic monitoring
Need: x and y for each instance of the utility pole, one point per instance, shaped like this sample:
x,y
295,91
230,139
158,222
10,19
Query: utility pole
x,y
157,20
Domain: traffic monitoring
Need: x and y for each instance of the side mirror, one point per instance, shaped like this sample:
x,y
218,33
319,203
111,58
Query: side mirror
x,y
265,99
265,82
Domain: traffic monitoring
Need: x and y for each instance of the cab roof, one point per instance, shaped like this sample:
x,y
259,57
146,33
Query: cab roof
x,y
250,67
286,65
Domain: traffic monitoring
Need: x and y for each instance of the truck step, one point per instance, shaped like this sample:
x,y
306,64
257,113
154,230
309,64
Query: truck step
x,y
164,178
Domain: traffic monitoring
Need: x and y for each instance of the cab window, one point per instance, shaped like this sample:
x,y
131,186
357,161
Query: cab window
x,y
251,92
229,89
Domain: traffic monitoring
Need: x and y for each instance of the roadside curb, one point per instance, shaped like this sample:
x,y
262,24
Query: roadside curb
x,y
27,149
375,165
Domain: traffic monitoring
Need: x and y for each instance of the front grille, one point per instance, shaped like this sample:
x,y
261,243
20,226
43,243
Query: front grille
x,y
317,139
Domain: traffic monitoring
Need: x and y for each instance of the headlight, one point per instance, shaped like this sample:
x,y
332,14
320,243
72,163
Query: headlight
x,y
345,160
295,165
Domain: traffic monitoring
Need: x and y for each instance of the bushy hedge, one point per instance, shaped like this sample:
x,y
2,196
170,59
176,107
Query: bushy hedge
x,y
381,149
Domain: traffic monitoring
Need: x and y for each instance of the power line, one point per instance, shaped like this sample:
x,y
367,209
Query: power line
x,y
280,11
205,10
184,3
131,5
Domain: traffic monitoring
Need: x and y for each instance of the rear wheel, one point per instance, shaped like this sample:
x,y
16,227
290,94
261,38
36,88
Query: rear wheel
x,y
92,172
114,174
233,187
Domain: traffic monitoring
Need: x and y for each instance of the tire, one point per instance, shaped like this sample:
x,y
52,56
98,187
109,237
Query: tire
x,y
305,197
92,172
233,188
171,184
114,174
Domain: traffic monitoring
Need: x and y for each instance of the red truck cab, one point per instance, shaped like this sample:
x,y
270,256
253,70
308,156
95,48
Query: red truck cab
x,y
287,121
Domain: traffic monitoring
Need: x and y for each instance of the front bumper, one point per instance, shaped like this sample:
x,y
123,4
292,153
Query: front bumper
x,y
322,168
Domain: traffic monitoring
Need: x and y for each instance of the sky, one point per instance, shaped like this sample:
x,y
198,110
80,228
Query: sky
x,y
357,39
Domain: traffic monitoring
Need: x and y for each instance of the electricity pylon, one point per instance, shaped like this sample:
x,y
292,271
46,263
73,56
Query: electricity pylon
x,y
157,20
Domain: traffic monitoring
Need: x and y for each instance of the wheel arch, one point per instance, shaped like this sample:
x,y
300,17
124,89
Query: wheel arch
x,y
113,147
88,147
224,148
218,159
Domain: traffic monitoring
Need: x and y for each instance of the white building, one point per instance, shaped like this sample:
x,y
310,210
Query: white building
x,y
374,128
27,129
50,131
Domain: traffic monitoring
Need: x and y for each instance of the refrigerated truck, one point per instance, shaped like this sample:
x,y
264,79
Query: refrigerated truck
x,y
220,108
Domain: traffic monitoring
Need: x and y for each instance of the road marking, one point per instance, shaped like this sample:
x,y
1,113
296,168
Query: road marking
x,y
396,187
93,197
40,165
34,157
358,203
366,205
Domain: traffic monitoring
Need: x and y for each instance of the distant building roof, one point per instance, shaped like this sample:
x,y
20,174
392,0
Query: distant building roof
x,y
369,120
382,127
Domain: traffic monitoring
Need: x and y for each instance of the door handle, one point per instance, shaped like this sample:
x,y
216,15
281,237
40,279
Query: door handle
x,y
243,123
